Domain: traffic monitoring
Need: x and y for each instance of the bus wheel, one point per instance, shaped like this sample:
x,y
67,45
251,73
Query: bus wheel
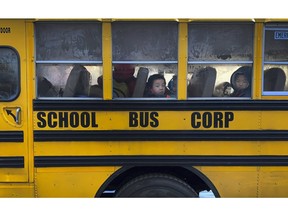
x,y
156,185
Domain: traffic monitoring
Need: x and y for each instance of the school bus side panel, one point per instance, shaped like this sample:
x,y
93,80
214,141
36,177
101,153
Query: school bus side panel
x,y
71,182
15,149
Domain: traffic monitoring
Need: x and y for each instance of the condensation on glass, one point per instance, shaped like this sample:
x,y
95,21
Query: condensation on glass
x,y
142,49
69,41
218,55
68,59
275,68
9,74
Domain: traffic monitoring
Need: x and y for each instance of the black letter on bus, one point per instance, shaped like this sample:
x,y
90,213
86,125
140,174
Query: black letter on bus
x,y
63,119
74,119
133,119
207,120
144,119
218,120
52,123
42,121
85,119
93,118
194,117
154,122
229,116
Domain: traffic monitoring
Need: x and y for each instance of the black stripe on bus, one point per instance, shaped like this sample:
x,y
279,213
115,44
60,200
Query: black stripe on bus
x,y
80,161
11,136
12,162
158,105
161,135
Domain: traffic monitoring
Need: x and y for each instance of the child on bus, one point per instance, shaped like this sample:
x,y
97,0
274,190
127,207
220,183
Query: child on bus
x,y
240,81
156,86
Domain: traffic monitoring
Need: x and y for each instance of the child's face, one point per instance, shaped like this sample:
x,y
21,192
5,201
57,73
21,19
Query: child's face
x,y
158,87
241,82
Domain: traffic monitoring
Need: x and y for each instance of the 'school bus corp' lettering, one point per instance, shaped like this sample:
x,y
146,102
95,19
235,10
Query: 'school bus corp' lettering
x,y
136,119
211,119
66,120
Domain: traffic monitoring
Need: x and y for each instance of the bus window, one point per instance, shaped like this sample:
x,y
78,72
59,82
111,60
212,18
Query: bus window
x,y
220,57
140,48
68,80
9,74
275,59
69,59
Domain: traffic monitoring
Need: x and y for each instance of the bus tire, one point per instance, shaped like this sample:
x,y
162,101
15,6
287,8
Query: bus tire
x,y
156,185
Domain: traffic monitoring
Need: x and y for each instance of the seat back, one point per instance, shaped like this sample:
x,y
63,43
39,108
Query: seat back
x,y
78,82
140,82
274,79
45,88
202,83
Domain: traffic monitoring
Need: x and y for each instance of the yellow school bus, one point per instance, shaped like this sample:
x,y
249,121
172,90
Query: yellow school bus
x,y
143,107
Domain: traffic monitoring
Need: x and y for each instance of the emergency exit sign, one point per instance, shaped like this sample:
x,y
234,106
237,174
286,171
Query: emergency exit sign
x,y
281,35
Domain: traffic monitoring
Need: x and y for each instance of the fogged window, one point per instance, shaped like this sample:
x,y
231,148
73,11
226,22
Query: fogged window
x,y
220,57
140,50
275,59
69,59
69,80
9,74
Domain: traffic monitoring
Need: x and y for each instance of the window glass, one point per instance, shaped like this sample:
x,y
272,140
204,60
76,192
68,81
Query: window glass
x,y
216,42
276,43
275,69
132,80
69,59
68,41
220,60
68,80
144,41
140,50
219,81
9,74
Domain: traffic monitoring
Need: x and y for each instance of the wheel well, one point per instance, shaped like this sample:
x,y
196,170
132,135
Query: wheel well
x,y
188,174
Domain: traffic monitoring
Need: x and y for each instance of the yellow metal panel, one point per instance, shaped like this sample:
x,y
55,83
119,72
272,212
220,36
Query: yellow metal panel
x,y
182,61
233,181
274,120
31,93
274,148
248,181
15,37
273,182
107,60
14,174
148,148
257,65
14,149
16,190
70,182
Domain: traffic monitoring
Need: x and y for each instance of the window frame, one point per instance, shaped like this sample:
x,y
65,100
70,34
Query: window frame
x,y
272,27
69,62
147,63
208,63
18,75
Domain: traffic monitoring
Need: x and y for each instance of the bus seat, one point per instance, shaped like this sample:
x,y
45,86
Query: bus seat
x,y
96,91
274,79
78,82
140,82
45,88
202,83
